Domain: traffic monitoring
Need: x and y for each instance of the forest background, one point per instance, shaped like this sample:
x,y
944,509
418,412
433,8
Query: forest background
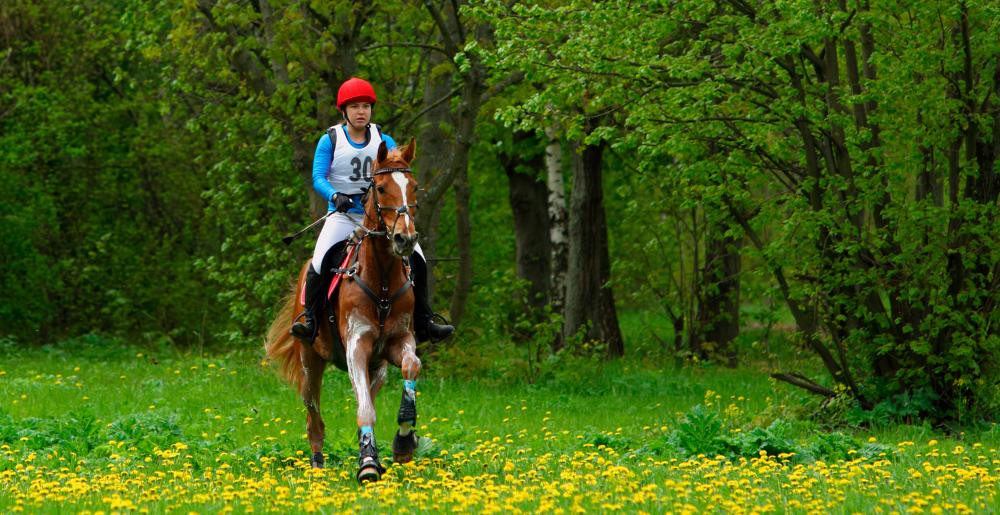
x,y
718,175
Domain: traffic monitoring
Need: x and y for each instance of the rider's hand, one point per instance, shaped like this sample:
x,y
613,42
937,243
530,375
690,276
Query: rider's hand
x,y
341,202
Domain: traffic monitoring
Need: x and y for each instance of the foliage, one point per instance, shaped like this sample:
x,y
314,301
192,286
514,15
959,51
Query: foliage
x,y
98,192
704,432
153,152
873,210
700,433
908,406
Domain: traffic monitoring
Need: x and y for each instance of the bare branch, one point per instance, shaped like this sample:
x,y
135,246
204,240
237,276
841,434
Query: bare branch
x,y
805,383
409,45
701,119
449,43
436,103
499,87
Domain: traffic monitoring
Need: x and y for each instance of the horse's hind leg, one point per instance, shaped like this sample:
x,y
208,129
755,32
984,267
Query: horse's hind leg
x,y
405,357
312,367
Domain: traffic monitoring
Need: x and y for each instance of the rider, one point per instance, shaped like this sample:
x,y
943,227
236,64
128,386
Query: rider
x,y
341,169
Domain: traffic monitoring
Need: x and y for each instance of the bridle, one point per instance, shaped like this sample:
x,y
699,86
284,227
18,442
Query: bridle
x,y
383,229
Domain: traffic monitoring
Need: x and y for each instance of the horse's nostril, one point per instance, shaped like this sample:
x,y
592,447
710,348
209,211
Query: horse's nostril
x,y
399,239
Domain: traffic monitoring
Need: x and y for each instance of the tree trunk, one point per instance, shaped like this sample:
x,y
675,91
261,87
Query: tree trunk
x,y
589,298
558,227
433,159
465,126
453,37
719,313
558,237
463,228
695,295
528,195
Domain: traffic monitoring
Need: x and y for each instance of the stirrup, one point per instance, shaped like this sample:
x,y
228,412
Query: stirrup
x,y
444,327
304,324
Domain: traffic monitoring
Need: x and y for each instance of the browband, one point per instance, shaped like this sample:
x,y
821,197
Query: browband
x,y
381,171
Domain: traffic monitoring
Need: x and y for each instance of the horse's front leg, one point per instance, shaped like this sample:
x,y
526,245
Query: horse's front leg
x,y
360,343
378,378
312,381
404,355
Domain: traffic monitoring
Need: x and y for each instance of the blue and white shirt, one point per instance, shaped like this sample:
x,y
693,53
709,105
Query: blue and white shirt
x,y
348,168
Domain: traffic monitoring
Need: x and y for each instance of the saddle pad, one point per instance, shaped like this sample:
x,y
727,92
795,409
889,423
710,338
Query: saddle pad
x,y
343,265
336,277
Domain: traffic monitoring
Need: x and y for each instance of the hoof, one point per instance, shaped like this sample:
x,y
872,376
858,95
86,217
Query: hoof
x,y
317,460
369,473
403,447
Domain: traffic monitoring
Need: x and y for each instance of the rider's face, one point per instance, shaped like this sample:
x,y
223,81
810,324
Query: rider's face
x,y
358,114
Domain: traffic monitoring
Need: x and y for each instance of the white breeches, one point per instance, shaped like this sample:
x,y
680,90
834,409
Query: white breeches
x,y
336,229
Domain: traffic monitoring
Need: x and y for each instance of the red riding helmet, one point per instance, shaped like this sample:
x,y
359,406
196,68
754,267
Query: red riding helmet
x,y
355,90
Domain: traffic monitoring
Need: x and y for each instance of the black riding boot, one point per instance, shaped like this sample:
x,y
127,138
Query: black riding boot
x,y
316,285
306,329
423,315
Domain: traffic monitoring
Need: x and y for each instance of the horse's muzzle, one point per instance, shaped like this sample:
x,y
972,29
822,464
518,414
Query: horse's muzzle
x,y
403,245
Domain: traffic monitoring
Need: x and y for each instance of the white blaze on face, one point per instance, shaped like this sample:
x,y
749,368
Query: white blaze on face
x,y
401,180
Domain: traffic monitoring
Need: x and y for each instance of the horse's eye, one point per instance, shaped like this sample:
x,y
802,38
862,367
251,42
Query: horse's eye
x,y
380,189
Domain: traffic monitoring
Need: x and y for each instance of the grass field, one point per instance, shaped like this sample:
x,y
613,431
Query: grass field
x,y
92,425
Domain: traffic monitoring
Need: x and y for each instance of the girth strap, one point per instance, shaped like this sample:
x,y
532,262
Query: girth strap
x,y
384,302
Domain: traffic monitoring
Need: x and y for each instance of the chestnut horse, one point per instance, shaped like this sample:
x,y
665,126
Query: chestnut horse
x,y
373,310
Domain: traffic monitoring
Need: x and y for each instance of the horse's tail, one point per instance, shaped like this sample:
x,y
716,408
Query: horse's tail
x,y
281,346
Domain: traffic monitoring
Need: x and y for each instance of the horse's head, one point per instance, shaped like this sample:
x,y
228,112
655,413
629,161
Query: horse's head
x,y
392,200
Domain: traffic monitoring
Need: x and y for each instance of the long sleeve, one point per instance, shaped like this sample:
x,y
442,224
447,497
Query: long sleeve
x,y
389,142
321,165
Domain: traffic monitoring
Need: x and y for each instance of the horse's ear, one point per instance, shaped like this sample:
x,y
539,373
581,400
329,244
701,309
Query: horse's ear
x,y
382,152
409,150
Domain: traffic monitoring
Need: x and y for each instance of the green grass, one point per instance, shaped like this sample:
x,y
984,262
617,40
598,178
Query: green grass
x,y
92,424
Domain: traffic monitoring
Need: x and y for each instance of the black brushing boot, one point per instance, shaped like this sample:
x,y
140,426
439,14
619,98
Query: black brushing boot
x,y
369,467
423,315
403,447
306,329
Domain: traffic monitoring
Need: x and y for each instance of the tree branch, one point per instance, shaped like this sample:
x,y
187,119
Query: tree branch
x,y
429,108
805,383
409,45
449,43
510,80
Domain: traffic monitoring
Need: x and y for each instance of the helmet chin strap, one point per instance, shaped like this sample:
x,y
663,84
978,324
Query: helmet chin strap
x,y
361,132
